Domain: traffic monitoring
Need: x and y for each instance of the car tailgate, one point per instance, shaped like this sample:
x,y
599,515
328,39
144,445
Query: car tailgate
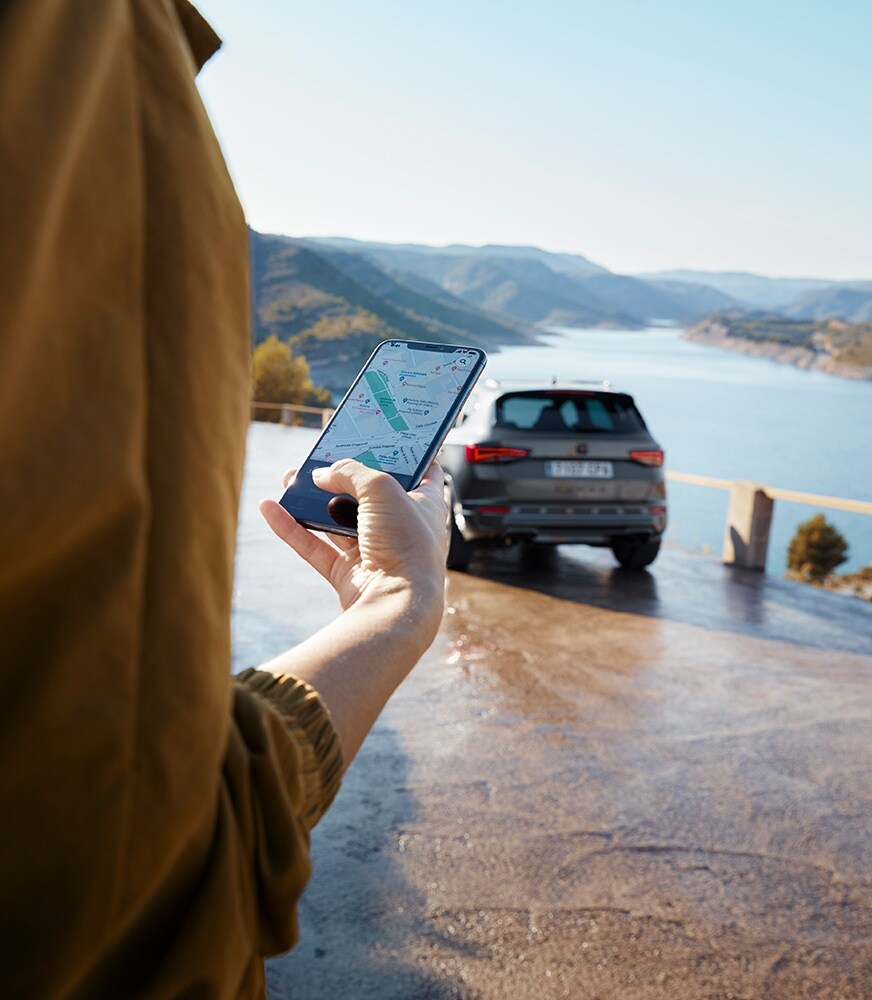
x,y
594,467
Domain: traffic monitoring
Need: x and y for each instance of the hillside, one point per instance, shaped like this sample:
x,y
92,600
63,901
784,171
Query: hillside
x,y
852,303
334,299
334,311
651,301
697,299
521,288
418,297
796,298
831,346
752,291
569,263
535,286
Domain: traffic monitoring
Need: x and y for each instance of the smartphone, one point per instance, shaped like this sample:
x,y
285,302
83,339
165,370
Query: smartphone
x,y
393,418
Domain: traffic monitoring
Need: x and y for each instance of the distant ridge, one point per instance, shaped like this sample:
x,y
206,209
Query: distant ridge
x,y
333,299
848,302
535,285
751,290
334,307
571,263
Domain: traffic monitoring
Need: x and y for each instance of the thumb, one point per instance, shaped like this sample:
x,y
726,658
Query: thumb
x,y
356,479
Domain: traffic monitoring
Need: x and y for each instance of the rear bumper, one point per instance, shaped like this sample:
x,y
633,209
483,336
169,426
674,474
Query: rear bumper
x,y
590,524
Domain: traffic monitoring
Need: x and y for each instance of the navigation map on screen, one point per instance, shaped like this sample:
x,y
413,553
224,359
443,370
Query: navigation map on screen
x,y
396,407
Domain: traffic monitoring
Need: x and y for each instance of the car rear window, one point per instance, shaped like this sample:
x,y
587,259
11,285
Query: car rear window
x,y
568,413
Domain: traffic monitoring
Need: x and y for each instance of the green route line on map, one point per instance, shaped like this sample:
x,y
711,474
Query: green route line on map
x,y
368,458
379,385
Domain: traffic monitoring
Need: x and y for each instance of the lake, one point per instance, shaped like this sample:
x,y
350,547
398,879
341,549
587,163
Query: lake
x,y
728,415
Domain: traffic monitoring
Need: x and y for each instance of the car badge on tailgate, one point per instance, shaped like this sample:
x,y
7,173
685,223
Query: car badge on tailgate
x,y
581,449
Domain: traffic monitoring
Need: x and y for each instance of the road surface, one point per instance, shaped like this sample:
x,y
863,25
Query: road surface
x,y
596,784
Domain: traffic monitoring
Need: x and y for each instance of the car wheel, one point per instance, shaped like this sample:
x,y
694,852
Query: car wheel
x,y
633,554
460,551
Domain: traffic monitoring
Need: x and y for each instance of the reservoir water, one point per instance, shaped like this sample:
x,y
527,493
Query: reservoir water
x,y
731,416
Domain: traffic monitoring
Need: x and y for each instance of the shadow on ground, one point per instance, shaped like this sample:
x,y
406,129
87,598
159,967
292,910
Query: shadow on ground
x,y
360,919
686,587
596,784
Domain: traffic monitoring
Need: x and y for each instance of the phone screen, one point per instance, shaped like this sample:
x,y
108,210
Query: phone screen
x,y
393,418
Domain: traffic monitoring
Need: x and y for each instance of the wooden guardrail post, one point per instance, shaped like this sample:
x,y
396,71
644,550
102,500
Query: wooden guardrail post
x,y
750,514
749,518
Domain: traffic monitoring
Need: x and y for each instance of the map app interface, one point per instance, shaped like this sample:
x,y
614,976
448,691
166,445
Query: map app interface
x,y
396,407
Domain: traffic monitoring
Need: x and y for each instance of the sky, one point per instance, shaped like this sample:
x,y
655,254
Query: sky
x,y
644,134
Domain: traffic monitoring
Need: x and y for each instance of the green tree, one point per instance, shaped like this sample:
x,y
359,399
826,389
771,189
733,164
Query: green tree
x,y
278,377
815,550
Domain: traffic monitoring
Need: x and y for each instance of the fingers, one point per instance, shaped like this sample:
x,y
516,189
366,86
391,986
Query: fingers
x,y
433,483
320,555
344,542
435,474
349,476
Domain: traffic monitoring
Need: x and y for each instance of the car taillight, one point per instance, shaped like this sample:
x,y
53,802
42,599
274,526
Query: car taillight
x,y
478,453
653,457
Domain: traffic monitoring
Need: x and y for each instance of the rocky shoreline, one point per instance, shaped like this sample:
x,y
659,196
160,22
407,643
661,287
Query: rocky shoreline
x,y
716,334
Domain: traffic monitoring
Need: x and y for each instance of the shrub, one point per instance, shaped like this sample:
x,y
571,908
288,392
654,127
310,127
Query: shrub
x,y
279,377
815,550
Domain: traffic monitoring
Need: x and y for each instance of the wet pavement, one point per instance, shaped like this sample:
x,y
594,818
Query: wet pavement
x,y
596,784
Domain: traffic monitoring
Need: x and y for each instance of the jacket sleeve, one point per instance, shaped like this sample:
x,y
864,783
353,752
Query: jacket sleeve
x,y
155,813
283,769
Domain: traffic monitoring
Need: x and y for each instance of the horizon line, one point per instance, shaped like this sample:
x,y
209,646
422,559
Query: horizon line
x,y
574,253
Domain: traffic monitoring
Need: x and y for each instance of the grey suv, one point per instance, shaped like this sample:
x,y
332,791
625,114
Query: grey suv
x,y
562,463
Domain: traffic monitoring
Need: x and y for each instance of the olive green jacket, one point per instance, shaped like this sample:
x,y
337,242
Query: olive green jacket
x,y
154,816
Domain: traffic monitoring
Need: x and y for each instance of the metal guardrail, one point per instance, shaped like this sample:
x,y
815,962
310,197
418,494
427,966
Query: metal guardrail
x,y
776,493
749,516
289,411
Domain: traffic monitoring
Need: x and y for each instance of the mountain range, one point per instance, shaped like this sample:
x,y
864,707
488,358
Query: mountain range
x,y
552,289
335,298
798,298
538,287
334,307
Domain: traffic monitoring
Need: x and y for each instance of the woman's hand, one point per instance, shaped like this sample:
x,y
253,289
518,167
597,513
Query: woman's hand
x,y
391,585
402,537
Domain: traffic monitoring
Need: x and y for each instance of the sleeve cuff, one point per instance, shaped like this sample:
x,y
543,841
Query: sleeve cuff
x,y
308,721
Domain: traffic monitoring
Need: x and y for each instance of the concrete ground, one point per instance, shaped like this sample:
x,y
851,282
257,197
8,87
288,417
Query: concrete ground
x,y
596,784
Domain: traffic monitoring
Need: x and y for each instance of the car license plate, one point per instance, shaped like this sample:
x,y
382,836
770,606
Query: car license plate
x,y
579,470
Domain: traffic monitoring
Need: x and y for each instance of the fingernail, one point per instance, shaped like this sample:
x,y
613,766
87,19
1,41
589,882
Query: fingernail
x,y
319,473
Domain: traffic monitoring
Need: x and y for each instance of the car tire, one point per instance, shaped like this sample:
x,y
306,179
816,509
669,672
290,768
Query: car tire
x,y
460,551
633,554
